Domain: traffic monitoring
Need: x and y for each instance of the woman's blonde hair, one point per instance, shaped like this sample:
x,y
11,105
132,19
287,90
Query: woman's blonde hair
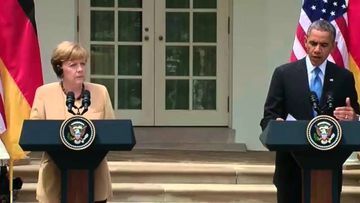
x,y
67,51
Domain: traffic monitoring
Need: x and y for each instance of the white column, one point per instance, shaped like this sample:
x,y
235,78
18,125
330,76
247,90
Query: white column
x,y
3,153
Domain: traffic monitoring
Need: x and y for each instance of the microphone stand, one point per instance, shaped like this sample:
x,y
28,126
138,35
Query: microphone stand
x,y
85,104
327,109
78,113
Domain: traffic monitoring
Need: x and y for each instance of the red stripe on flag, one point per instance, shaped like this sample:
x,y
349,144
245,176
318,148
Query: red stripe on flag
x,y
292,56
19,48
336,54
300,34
2,109
342,26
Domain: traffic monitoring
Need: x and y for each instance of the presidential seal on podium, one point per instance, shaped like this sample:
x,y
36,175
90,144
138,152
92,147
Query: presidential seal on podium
x,y
324,132
77,133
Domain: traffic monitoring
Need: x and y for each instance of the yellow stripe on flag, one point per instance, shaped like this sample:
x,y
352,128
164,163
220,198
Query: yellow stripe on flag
x,y
16,110
354,68
354,41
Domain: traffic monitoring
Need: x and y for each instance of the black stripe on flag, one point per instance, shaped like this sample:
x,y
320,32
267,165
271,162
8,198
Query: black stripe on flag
x,y
29,9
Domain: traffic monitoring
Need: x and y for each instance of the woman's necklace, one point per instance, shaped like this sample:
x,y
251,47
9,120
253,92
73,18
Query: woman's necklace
x,y
77,98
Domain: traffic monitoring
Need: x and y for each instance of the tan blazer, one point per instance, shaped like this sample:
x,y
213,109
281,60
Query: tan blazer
x,y
49,103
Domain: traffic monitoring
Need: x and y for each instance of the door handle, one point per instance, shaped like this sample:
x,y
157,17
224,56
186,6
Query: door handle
x,y
161,37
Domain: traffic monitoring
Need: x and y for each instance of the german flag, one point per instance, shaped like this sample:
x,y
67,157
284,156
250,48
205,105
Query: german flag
x,y
20,70
354,41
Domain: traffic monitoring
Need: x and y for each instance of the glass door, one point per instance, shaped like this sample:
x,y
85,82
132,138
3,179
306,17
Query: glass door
x,y
191,69
119,35
164,62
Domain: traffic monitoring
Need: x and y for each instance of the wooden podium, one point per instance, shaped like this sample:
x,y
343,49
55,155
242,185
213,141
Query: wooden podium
x,y
111,135
320,168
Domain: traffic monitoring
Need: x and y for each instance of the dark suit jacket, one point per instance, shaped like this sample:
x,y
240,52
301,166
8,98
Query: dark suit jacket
x,y
289,94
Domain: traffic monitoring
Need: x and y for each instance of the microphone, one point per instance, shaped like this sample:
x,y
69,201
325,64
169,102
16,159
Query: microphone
x,y
70,101
315,102
85,101
330,101
329,107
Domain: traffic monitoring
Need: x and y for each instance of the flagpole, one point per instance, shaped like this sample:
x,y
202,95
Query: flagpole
x,y
11,167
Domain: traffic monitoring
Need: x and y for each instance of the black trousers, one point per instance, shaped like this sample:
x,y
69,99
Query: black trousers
x,y
290,193
288,179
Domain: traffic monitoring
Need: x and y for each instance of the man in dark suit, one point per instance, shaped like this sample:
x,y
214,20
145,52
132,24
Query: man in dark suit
x,y
289,94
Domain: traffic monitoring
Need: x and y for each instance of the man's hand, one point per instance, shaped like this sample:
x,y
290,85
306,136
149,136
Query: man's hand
x,y
345,113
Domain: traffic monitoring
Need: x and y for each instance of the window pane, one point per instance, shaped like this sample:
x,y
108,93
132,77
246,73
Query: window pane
x,y
204,27
130,3
130,60
177,94
102,3
177,60
102,25
177,27
130,26
129,94
109,84
102,60
204,3
204,94
204,61
177,3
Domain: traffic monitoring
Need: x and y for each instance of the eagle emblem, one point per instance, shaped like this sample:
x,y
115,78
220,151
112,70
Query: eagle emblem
x,y
324,132
77,133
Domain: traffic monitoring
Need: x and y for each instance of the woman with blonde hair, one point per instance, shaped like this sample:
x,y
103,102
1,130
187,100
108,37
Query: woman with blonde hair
x,y
69,64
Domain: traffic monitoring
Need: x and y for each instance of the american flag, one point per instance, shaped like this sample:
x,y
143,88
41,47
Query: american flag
x,y
334,11
2,110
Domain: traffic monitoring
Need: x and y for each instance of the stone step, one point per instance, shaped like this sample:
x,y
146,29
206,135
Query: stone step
x,y
188,176
147,192
156,172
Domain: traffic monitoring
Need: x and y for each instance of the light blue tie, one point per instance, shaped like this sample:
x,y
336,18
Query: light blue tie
x,y
316,85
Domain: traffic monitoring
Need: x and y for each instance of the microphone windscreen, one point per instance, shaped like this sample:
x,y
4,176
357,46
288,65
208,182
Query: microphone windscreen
x,y
87,94
330,100
86,98
313,97
70,95
70,99
315,102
